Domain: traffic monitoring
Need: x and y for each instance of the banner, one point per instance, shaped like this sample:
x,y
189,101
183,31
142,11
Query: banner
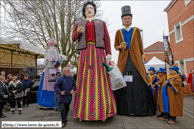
x,y
168,56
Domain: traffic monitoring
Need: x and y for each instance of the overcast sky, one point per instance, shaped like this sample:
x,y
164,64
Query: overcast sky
x,y
147,15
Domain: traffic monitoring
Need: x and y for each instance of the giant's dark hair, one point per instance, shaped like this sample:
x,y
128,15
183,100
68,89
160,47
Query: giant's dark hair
x,y
84,7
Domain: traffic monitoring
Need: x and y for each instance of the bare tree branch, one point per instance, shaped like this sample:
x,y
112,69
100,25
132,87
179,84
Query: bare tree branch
x,y
35,21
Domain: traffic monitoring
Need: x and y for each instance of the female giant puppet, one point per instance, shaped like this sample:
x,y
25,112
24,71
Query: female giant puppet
x,y
94,99
52,61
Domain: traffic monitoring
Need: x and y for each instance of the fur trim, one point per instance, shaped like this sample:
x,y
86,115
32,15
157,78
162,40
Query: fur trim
x,y
19,109
12,109
15,84
10,83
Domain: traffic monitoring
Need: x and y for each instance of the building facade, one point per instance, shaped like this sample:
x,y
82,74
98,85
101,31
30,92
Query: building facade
x,y
181,32
156,49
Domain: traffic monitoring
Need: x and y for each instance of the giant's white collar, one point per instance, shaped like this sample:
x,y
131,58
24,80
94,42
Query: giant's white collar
x,y
128,28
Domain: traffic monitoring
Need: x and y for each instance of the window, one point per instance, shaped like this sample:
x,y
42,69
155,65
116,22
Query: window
x,y
187,2
178,32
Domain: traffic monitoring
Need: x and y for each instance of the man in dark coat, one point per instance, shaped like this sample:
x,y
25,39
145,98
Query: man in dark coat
x,y
3,95
27,88
65,87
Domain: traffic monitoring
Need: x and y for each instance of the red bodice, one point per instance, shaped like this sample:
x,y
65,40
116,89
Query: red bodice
x,y
90,34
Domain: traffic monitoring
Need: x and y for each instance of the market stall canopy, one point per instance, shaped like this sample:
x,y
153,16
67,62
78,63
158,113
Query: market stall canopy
x,y
15,45
155,62
17,54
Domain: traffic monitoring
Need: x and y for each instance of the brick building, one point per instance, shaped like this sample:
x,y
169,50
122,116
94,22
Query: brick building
x,y
181,33
156,49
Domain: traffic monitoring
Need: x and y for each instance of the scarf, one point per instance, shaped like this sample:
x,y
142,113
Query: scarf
x,y
15,84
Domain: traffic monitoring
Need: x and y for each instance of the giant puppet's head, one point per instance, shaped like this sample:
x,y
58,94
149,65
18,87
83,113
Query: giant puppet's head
x,y
89,9
126,15
52,42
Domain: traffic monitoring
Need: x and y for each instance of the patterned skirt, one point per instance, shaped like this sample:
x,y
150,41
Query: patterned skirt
x,y
94,99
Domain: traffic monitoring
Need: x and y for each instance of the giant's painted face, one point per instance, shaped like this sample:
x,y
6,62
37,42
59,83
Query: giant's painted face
x,y
52,42
89,11
127,20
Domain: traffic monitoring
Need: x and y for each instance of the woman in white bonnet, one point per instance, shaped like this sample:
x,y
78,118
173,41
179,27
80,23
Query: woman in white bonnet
x,y
52,61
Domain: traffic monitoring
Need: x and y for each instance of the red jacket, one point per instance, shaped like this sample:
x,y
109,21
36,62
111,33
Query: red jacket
x,y
190,80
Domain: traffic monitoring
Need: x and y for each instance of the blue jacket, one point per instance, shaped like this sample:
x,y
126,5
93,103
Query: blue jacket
x,y
27,84
64,83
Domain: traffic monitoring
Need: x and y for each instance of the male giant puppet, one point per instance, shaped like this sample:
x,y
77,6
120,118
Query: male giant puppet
x,y
136,98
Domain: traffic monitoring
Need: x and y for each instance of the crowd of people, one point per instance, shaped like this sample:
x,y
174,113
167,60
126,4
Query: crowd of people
x,y
94,99
168,92
13,90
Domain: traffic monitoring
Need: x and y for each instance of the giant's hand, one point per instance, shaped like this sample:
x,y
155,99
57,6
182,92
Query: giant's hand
x,y
109,57
122,47
144,58
80,29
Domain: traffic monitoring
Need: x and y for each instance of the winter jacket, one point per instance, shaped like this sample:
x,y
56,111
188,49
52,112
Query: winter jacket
x,y
27,84
11,88
3,92
66,84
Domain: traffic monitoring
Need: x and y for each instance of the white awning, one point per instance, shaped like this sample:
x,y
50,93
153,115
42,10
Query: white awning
x,y
156,63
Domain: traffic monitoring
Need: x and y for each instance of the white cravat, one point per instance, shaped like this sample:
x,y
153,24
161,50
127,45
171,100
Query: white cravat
x,y
128,28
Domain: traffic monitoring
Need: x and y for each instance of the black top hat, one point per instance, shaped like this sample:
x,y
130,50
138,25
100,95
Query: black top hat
x,y
126,10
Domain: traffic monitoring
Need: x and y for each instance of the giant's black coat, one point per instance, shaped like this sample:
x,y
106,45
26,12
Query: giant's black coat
x,y
136,98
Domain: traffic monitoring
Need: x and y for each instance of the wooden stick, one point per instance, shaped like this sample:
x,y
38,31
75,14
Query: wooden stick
x,y
164,59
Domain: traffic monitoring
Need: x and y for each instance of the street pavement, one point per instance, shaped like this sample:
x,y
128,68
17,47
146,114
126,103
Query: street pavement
x,y
33,113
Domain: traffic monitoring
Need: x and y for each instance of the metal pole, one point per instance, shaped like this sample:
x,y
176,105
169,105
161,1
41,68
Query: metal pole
x,y
36,64
142,35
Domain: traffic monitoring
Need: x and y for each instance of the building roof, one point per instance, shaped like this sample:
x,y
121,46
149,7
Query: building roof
x,y
154,47
169,5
